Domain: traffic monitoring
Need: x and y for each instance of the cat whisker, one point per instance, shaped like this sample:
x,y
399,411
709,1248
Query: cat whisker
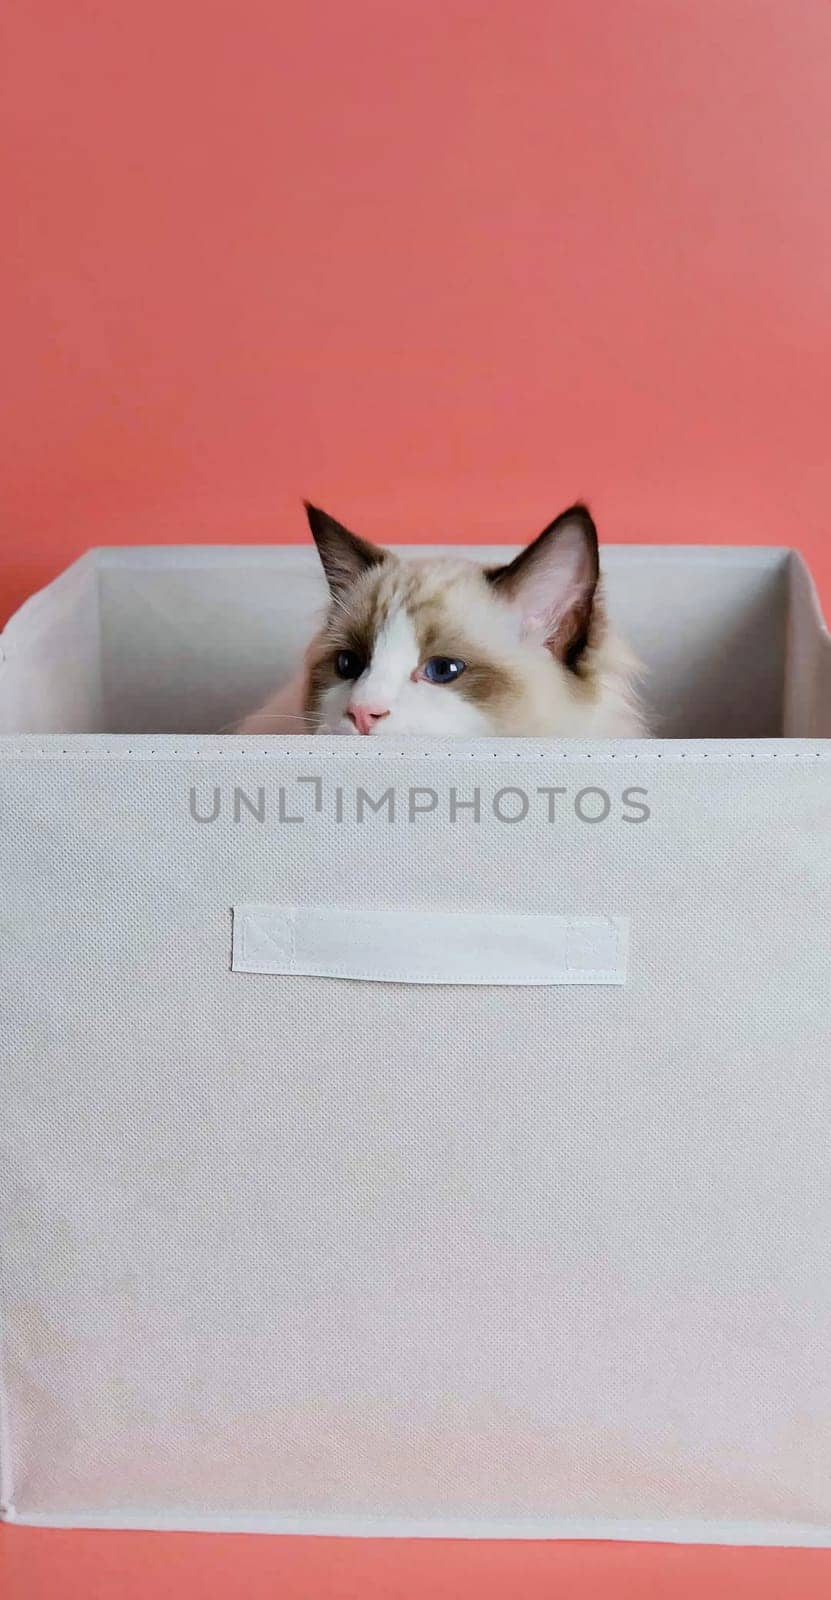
x,y
306,724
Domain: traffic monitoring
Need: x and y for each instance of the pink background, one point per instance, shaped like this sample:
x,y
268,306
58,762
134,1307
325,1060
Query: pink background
x,y
441,266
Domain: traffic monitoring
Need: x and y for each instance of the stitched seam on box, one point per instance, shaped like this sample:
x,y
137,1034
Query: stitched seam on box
x,y
252,963
572,924
86,752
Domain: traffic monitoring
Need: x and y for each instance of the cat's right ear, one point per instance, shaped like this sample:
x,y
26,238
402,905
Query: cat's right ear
x,y
553,583
344,555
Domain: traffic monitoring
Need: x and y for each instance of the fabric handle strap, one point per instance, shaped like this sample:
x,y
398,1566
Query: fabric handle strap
x,y
387,946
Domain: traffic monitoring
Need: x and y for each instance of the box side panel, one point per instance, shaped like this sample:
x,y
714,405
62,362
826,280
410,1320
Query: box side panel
x,y
50,658
808,668
709,627
299,1251
193,647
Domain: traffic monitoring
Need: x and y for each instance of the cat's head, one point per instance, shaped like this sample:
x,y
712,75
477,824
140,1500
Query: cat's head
x,y
442,646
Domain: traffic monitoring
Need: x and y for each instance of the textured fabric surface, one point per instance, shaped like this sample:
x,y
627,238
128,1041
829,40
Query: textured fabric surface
x,y
340,1255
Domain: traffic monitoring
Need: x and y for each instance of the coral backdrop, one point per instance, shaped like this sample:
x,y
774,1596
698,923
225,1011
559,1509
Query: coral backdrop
x,y
441,266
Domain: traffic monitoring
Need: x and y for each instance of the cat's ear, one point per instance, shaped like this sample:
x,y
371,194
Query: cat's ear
x,y
343,554
552,584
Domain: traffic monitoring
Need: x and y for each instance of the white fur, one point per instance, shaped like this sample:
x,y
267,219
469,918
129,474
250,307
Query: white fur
x,y
388,684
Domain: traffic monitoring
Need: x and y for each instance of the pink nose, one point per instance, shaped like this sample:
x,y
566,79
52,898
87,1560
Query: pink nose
x,y
365,717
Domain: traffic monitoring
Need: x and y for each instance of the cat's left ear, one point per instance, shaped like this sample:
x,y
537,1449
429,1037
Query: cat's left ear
x,y
552,583
344,555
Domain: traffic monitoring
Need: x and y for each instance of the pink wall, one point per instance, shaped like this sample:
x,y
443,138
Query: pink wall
x,y
442,266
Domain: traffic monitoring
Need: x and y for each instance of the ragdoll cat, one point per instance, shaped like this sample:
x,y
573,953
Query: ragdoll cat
x,y
443,646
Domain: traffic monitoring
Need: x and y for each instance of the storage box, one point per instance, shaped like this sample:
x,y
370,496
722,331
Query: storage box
x,y
424,1139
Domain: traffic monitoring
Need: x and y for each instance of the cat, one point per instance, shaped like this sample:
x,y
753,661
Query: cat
x,y
444,647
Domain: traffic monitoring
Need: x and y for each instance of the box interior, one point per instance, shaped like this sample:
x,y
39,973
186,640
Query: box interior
x,y
188,640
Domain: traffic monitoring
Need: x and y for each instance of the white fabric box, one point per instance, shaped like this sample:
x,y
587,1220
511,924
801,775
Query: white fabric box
x,y
540,1248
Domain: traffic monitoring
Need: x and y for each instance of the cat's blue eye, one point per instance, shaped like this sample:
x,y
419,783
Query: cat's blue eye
x,y
348,664
443,669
